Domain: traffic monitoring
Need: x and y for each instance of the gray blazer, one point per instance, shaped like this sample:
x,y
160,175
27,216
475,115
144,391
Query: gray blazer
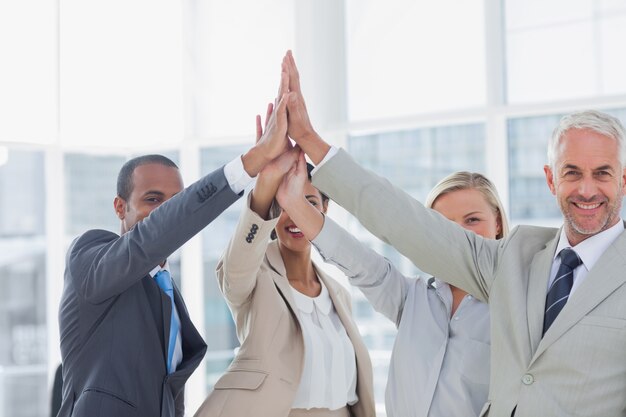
x,y
114,319
578,368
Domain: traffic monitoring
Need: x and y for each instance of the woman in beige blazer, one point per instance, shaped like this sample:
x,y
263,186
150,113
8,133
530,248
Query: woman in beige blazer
x,y
281,303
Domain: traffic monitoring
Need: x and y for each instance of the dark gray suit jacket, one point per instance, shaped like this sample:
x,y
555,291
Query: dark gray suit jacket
x,y
114,319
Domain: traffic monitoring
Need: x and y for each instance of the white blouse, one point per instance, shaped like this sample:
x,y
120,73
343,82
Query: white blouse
x,y
329,374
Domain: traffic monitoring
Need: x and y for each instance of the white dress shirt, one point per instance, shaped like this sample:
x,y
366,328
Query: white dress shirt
x,y
589,251
329,373
236,175
439,364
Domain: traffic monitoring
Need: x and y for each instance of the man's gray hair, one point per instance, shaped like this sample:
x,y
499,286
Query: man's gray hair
x,y
599,122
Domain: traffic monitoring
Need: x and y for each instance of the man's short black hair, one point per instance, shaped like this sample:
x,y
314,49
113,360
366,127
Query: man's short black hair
x,y
125,177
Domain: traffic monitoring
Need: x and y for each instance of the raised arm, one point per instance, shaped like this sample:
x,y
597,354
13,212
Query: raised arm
x,y
383,285
238,268
431,242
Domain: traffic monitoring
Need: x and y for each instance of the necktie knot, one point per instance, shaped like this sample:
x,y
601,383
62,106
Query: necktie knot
x,y
164,280
570,258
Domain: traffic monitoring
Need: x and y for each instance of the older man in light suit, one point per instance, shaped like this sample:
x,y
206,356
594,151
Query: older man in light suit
x,y
557,296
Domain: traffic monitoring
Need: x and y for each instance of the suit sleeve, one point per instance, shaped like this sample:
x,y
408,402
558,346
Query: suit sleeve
x,y
433,243
103,264
381,283
238,267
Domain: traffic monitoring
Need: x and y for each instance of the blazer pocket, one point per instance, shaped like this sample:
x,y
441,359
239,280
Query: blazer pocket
x,y
249,380
604,321
97,401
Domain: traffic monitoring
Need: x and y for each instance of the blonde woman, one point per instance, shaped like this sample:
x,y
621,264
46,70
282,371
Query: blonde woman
x,y
440,360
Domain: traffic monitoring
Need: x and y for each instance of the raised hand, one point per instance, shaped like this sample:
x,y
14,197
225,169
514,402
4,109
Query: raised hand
x,y
272,173
291,189
300,128
274,141
290,196
299,123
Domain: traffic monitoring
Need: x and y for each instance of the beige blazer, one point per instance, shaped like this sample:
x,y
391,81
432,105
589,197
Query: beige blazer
x,y
263,378
578,368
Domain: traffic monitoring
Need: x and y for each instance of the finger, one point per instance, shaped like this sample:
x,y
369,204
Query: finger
x,y
281,107
268,113
294,76
301,165
283,86
259,129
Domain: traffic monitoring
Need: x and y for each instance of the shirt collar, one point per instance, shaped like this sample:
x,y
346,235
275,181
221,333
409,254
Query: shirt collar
x,y
305,303
165,267
590,249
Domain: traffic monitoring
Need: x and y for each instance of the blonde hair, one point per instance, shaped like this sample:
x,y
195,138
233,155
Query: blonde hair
x,y
463,180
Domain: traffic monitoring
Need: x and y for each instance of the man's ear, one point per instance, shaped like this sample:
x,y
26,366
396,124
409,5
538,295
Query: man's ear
x,y
550,178
119,204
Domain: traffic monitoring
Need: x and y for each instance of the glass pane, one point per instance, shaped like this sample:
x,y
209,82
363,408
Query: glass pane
x,y
24,394
90,187
28,74
530,198
218,321
613,33
406,57
563,49
22,203
545,63
23,332
235,68
121,72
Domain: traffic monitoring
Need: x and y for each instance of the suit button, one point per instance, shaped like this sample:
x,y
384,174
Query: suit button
x,y
255,227
528,379
250,236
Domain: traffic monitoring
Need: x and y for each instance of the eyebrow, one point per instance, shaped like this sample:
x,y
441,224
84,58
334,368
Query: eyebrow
x,y
600,168
473,213
154,192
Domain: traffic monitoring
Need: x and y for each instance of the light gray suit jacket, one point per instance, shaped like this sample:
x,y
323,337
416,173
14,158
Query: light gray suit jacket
x,y
578,368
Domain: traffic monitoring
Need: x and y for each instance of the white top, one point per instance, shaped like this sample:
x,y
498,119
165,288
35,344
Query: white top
x,y
236,175
177,358
589,251
440,363
329,373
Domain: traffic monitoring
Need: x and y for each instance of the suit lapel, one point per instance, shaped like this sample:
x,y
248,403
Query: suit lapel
x,y
280,278
605,277
160,306
192,344
537,290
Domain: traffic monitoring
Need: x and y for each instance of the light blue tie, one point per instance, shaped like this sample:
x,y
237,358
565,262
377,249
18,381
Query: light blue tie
x,y
164,280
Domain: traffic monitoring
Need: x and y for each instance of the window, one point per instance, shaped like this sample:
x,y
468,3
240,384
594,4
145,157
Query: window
x,y
23,335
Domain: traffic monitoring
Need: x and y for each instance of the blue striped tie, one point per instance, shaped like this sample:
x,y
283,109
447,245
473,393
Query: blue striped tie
x,y
561,286
164,280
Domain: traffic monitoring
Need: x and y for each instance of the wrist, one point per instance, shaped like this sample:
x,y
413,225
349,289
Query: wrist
x,y
314,146
254,160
